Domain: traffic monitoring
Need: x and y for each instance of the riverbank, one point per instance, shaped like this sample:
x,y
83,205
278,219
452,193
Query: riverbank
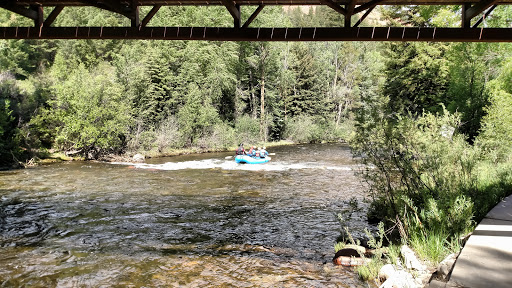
x,y
52,156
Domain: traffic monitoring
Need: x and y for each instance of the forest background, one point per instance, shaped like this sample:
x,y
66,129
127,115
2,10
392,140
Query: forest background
x,y
432,121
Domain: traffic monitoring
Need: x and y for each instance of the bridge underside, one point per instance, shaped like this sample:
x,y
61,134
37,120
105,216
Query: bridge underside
x,y
472,15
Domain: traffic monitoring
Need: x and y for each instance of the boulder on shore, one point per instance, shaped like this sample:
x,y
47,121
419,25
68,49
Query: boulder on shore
x,y
445,267
386,272
411,262
138,158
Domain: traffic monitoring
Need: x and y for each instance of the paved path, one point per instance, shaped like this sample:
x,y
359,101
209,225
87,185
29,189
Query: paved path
x,y
486,259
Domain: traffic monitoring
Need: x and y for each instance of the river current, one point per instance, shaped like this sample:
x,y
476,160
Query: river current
x,y
185,221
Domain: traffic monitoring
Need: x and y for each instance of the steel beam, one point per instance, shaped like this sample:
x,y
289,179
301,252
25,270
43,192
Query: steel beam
x,y
264,34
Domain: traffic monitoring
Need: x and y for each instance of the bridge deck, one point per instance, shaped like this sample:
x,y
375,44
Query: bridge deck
x,y
239,2
240,31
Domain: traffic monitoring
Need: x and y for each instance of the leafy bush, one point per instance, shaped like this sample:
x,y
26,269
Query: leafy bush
x,y
92,110
222,136
426,175
167,134
310,129
247,129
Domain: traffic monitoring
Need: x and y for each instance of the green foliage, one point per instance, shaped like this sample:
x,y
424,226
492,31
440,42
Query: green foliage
x,y
370,270
434,245
92,110
417,77
496,136
247,130
8,131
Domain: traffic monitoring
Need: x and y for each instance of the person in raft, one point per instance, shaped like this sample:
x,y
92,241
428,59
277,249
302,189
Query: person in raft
x,y
240,150
263,152
257,153
251,151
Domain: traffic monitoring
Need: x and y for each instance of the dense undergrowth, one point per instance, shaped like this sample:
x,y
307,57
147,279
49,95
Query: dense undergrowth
x,y
427,180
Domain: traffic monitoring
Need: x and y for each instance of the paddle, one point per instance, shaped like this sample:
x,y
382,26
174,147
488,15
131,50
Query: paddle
x,y
271,154
228,157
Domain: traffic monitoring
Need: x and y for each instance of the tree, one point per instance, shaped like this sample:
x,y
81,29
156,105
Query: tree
x,y
94,114
416,77
309,95
496,135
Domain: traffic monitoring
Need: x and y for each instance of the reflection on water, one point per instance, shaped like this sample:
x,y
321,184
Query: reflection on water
x,y
196,220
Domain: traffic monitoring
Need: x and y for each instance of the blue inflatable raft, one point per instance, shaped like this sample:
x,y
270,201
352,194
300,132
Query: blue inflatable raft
x,y
251,160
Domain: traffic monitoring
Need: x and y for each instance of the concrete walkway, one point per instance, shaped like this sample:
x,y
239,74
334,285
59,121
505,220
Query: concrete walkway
x,y
486,259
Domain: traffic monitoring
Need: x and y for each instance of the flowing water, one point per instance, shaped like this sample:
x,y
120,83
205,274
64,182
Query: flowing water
x,y
187,221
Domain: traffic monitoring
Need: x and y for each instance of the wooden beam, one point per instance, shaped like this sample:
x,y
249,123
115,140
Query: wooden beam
x,y
478,8
234,10
253,16
264,34
485,16
53,15
23,11
334,6
367,6
150,15
364,16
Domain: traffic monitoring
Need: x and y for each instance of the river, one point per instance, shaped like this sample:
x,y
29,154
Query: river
x,y
186,221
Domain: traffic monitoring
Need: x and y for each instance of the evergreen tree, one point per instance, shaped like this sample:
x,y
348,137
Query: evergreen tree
x,y
416,77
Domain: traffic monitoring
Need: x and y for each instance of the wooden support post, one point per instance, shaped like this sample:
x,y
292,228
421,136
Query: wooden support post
x,y
364,16
234,10
466,21
38,22
334,6
236,21
367,6
136,17
53,15
253,16
350,11
150,15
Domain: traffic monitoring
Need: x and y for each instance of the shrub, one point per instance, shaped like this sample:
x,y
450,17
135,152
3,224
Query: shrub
x,y
167,135
426,175
310,129
247,130
222,136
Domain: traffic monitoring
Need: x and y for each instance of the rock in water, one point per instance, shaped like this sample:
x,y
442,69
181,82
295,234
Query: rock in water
x,y
138,158
400,279
349,256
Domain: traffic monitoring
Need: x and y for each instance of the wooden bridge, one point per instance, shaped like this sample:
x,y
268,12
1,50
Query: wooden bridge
x,y
472,15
